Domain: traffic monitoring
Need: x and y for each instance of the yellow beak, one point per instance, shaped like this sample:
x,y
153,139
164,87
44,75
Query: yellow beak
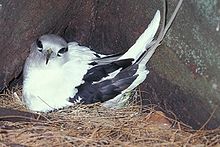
x,y
48,54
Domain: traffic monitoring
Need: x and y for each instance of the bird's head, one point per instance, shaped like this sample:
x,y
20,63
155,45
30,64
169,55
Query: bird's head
x,y
50,46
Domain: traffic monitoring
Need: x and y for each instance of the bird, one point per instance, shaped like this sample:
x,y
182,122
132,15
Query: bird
x,y
58,74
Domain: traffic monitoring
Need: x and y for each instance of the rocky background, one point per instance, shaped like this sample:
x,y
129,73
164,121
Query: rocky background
x,y
184,73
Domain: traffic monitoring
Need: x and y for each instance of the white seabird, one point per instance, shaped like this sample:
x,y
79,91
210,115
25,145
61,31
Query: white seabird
x,y
59,74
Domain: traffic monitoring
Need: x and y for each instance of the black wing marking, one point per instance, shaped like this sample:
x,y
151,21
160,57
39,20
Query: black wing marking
x,y
105,60
113,56
89,92
100,71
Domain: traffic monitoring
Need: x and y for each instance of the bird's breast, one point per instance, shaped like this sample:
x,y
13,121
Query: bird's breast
x,y
52,86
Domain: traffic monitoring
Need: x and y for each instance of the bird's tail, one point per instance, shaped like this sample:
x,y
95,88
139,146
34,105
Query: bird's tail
x,y
144,41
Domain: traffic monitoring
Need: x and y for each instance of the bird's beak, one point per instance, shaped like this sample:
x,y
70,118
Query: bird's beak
x,y
49,52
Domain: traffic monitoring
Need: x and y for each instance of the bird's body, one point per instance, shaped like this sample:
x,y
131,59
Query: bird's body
x,y
57,74
49,86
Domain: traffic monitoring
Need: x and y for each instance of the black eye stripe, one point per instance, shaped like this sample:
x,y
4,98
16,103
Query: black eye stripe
x,y
39,43
63,50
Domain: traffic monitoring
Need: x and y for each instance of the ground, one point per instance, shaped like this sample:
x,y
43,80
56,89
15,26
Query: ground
x,y
94,125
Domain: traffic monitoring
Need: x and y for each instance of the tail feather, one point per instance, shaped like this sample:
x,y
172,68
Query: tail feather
x,y
144,41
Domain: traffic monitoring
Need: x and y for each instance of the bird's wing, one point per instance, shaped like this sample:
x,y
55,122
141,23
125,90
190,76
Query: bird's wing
x,y
105,59
98,72
94,89
83,53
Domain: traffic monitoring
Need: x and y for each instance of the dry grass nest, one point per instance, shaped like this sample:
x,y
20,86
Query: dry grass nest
x,y
94,125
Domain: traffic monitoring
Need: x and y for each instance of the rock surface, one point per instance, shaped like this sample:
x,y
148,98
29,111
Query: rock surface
x,y
184,71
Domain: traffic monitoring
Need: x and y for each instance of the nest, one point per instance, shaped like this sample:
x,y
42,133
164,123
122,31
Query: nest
x,y
94,125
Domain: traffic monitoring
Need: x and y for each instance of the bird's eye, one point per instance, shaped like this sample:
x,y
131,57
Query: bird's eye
x,y
62,51
39,45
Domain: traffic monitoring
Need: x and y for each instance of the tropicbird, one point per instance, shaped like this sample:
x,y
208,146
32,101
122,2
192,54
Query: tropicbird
x,y
59,74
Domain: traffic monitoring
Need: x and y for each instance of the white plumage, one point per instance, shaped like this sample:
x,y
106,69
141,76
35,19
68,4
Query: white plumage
x,y
62,81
